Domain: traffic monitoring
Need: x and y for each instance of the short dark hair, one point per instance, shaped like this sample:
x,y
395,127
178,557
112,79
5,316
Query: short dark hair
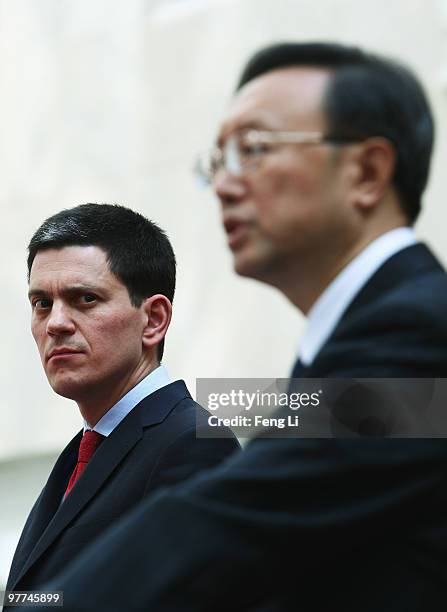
x,y
368,95
138,251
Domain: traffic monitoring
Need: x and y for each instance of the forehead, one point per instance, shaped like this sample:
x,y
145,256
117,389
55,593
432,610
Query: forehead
x,y
71,263
287,98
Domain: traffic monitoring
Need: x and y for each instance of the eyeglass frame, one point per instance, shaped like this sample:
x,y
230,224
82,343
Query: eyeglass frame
x,y
220,155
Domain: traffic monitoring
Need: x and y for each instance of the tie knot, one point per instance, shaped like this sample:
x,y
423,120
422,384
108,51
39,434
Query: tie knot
x,y
89,443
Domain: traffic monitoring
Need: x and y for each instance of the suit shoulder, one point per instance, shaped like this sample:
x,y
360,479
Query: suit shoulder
x,y
189,415
402,332
188,445
417,303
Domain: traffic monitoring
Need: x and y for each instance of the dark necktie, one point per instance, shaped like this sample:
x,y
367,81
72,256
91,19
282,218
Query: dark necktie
x,y
298,369
297,372
89,443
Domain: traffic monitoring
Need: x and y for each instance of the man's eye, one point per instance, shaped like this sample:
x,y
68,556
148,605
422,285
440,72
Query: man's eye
x,y
253,149
41,304
88,298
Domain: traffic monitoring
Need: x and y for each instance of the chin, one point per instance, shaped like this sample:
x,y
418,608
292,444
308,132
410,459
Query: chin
x,y
244,270
67,388
251,267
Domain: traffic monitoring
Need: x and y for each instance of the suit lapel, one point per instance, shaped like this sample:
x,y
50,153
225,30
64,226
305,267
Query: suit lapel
x,y
150,411
111,452
45,507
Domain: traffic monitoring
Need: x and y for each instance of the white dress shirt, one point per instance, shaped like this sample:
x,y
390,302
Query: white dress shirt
x,y
335,299
157,379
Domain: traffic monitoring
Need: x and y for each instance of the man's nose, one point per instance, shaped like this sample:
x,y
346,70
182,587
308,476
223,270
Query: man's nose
x,y
228,187
60,320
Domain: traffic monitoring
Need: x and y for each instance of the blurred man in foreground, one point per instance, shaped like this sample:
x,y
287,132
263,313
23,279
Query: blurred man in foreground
x,y
320,166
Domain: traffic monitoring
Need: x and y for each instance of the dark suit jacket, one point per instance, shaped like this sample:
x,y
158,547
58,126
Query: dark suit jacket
x,y
303,524
155,445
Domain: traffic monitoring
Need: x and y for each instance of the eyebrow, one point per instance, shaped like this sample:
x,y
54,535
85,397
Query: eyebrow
x,y
71,290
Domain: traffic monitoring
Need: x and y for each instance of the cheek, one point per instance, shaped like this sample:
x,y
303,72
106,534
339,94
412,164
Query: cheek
x,y
117,331
38,332
281,207
291,200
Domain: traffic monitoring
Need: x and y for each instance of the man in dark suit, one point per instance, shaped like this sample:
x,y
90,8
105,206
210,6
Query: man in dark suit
x,y
320,166
101,283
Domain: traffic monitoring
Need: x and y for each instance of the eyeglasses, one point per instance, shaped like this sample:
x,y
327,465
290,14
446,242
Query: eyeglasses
x,y
244,151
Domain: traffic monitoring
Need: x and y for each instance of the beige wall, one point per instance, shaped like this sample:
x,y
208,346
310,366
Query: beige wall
x,y
108,101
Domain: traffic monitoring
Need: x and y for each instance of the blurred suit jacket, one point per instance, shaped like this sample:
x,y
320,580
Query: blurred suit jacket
x,y
155,445
303,524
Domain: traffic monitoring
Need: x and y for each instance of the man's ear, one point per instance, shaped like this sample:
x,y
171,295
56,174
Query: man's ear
x,y
375,163
158,310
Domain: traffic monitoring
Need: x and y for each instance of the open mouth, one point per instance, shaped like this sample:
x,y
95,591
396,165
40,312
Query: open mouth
x,y
236,232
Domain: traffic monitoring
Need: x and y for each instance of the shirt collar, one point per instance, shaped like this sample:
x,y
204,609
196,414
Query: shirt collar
x,y
332,303
155,380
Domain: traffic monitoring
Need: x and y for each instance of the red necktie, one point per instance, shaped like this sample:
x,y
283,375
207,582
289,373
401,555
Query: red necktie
x,y
89,443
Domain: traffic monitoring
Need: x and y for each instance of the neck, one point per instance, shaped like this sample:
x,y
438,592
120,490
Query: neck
x,y
304,282
96,404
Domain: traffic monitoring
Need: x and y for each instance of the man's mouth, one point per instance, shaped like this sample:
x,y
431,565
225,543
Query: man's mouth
x,y
62,353
237,232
